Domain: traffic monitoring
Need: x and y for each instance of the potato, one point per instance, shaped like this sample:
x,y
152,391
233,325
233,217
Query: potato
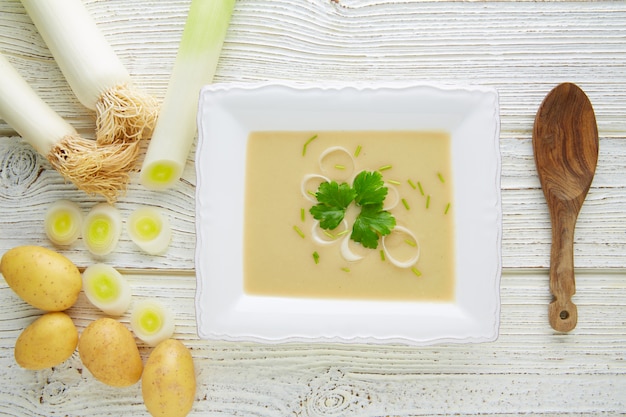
x,y
108,349
46,342
42,277
168,383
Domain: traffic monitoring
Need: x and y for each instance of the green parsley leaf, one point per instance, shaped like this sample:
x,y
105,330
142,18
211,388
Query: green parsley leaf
x,y
333,200
372,223
369,192
370,188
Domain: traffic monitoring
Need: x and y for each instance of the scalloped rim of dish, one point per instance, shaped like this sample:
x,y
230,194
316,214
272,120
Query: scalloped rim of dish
x,y
232,110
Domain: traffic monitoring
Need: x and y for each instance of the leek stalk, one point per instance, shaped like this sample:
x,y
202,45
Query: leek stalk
x,y
195,65
93,168
93,70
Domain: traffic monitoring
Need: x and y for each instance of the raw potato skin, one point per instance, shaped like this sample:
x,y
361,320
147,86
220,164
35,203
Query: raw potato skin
x,y
46,342
42,277
108,349
168,383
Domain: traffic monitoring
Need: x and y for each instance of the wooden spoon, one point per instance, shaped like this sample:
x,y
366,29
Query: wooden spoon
x,y
565,143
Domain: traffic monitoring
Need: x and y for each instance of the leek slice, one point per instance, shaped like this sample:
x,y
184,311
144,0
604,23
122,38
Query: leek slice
x,y
195,66
338,163
393,197
102,229
106,289
310,184
63,222
348,253
152,322
414,243
150,230
324,237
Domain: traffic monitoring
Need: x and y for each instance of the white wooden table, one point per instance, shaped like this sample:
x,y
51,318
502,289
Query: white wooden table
x,y
522,49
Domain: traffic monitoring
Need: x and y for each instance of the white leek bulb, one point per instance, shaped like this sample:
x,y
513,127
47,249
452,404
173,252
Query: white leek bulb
x,y
92,167
93,70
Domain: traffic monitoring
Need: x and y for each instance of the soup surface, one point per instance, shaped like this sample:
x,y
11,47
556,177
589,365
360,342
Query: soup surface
x,y
287,253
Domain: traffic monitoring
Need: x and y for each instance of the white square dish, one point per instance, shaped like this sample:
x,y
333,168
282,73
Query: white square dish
x,y
229,112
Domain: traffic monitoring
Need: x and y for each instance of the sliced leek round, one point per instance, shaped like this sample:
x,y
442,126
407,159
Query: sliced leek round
x,y
402,234
106,289
337,162
310,184
325,237
150,230
152,322
63,222
102,229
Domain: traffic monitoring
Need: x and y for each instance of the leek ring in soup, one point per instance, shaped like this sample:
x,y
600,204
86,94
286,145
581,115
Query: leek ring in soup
x,y
347,252
310,184
412,242
391,202
324,237
337,161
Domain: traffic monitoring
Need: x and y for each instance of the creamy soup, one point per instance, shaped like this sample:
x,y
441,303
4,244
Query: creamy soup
x,y
287,253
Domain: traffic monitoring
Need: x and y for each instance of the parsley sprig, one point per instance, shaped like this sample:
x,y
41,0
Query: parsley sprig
x,y
368,191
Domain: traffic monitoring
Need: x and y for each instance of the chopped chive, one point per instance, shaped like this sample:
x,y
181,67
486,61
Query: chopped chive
x,y
441,177
302,214
340,166
316,257
410,243
384,168
412,184
298,231
382,255
357,151
406,204
394,182
343,232
416,272
311,139
330,235
345,269
427,201
447,209
419,185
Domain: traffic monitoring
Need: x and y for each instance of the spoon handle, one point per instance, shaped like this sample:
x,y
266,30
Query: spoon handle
x,y
562,312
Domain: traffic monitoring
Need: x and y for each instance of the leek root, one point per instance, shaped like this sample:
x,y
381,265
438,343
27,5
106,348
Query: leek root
x,y
93,168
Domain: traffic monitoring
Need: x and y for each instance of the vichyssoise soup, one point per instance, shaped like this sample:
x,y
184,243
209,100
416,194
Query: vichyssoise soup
x,y
349,214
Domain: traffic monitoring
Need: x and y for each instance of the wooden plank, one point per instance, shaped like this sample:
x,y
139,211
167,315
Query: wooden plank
x,y
521,48
27,187
529,369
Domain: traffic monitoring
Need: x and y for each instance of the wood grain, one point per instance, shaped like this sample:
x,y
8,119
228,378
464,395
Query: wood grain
x,y
565,144
523,49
